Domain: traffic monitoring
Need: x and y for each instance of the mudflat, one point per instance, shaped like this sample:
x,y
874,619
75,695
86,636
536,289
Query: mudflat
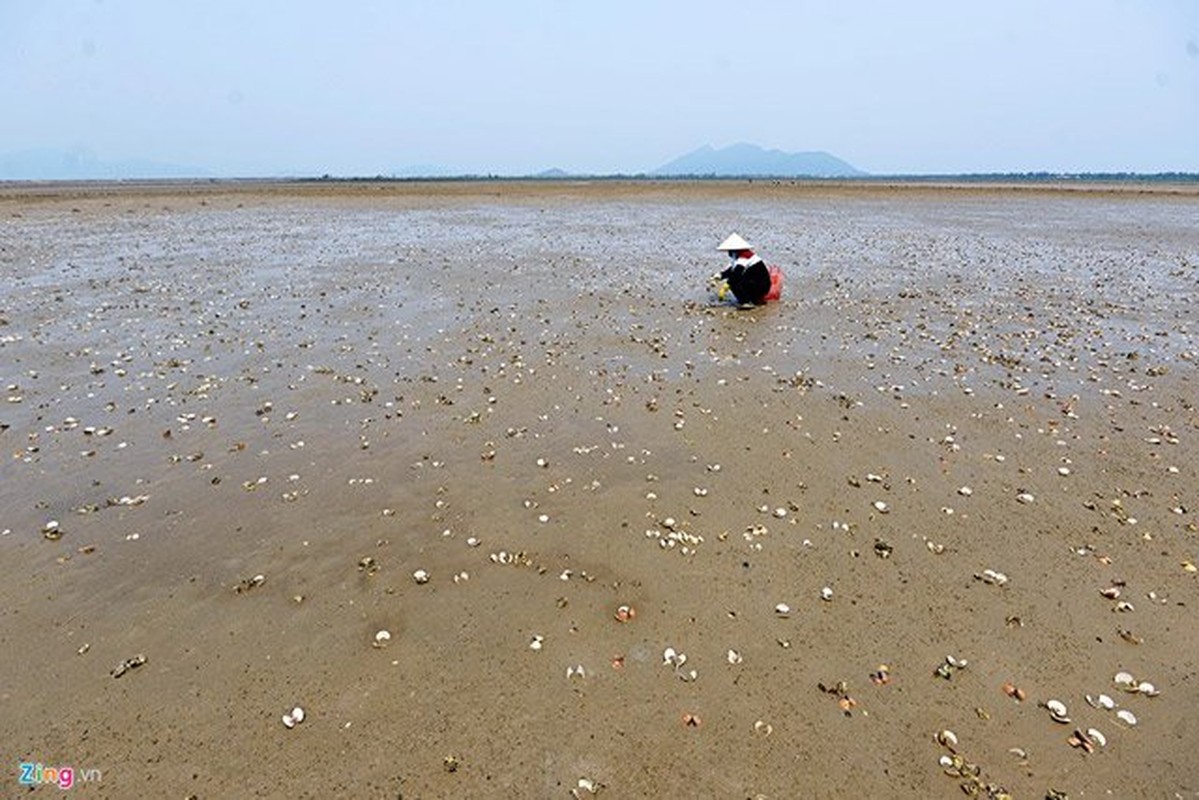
x,y
482,478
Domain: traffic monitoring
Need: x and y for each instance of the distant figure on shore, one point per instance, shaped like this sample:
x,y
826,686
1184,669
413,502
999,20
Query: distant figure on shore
x,y
752,282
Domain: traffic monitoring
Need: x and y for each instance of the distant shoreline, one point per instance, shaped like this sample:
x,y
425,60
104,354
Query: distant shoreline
x,y
1184,185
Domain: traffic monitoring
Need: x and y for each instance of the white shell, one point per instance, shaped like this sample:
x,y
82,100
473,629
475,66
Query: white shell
x,y
1124,679
947,738
293,717
1103,701
957,663
1025,497
1127,716
1057,710
946,761
420,576
382,637
1098,737
826,593
782,609
734,657
881,507
1148,689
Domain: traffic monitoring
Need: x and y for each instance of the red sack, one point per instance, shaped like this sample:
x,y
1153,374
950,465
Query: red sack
x,y
776,283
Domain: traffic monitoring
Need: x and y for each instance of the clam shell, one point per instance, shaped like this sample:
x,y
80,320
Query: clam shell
x,y
1124,679
782,609
1097,737
947,738
1148,689
1127,716
1057,710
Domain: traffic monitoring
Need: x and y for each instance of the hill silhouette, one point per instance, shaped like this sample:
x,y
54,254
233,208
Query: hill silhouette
x,y
750,160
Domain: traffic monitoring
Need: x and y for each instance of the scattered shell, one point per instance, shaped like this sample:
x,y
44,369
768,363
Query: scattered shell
x,y
1102,701
1014,691
1127,716
1025,497
1080,739
1057,711
965,491
956,663
692,720
293,718
881,507
1148,689
576,671
1124,679
536,643
992,578
1097,737
128,664
782,609
673,658
763,728
420,576
625,613
780,512
382,638
826,593
947,738
1111,593
733,657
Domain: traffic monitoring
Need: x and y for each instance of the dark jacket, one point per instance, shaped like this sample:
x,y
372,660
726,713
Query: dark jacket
x,y
748,277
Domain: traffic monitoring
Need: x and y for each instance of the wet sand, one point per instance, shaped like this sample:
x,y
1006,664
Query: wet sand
x,y
527,391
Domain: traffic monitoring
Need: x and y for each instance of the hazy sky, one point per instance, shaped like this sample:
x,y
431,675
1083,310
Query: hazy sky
x,y
253,87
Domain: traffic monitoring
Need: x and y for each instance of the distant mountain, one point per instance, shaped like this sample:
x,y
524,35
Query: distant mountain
x,y
82,164
751,160
553,172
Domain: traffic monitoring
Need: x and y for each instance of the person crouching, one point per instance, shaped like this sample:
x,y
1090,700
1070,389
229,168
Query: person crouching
x,y
747,275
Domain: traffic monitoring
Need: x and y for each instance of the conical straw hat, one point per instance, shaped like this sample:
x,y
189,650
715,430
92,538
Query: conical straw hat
x,y
734,242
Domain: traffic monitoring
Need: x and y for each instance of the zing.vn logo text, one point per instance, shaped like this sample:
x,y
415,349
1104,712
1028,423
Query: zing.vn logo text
x,y
63,777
